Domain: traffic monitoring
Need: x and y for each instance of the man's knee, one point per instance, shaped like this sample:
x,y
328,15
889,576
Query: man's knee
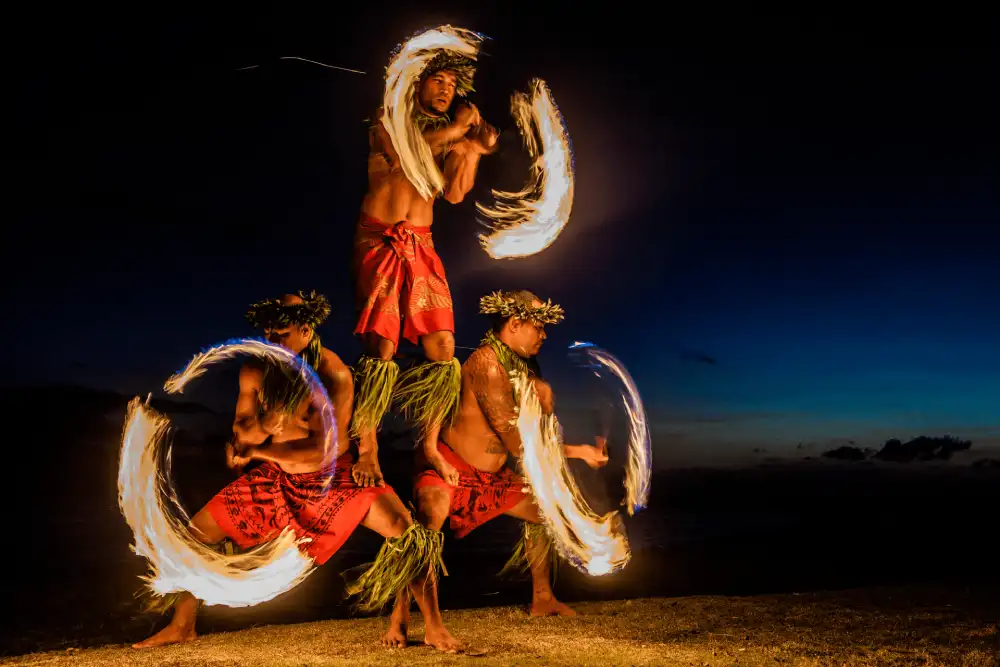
x,y
377,346
526,510
388,516
397,522
205,529
433,504
439,346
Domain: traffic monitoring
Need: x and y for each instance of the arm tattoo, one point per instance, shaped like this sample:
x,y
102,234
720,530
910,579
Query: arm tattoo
x,y
495,396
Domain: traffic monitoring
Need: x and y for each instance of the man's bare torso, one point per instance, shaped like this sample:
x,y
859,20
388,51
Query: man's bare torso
x,y
486,406
391,197
307,421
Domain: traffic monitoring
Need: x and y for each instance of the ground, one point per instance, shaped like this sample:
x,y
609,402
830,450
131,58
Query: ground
x,y
927,625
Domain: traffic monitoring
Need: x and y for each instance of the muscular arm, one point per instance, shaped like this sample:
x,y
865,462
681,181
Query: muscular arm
x,y
307,450
441,139
382,157
491,386
246,426
547,398
339,384
460,171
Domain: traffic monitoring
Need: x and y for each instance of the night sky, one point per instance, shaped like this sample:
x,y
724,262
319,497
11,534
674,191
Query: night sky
x,y
784,226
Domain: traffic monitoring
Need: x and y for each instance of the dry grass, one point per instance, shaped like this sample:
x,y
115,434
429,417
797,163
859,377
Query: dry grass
x,y
921,626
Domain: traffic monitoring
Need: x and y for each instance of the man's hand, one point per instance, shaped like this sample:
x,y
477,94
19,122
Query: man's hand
x,y
447,471
237,459
602,443
366,471
595,457
273,422
467,116
484,138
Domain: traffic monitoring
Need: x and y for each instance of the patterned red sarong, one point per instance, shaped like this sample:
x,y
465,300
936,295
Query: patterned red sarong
x,y
259,505
479,496
400,278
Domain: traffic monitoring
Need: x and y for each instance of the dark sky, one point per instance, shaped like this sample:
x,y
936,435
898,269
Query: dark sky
x,y
784,226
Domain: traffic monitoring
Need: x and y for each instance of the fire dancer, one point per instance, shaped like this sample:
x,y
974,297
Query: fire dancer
x,y
401,283
297,483
480,441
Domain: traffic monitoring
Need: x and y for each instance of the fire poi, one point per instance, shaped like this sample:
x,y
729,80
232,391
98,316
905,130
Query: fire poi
x,y
400,103
640,451
522,223
527,222
484,436
596,545
178,561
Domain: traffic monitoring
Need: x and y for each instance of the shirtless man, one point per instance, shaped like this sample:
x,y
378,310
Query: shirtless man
x,y
401,281
277,423
482,438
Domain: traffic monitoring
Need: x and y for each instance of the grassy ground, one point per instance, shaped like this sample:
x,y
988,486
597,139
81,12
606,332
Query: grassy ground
x,y
885,626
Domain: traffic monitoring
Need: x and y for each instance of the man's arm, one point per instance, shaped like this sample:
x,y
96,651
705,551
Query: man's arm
x,y
382,154
491,386
593,456
246,426
463,162
466,118
339,384
308,450
460,171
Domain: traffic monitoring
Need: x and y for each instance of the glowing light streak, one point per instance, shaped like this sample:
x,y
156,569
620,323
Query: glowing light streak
x,y
594,544
640,452
527,222
398,101
178,561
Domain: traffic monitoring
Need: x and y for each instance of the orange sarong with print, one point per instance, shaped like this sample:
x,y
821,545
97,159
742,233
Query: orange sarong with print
x,y
400,282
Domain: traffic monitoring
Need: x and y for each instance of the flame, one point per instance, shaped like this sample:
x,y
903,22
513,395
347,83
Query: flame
x,y
594,544
401,78
640,452
528,222
178,561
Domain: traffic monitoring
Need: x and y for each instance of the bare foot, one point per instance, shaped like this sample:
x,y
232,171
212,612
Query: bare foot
x,y
549,606
172,634
442,640
366,471
395,637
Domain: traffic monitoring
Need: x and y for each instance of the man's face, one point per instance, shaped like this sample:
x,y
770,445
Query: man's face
x,y
528,335
438,92
294,337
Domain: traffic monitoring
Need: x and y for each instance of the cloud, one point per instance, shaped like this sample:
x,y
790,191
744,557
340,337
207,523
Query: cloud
x,y
697,357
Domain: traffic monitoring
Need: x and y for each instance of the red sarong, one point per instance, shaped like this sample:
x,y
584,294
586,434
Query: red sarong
x,y
479,496
400,278
259,505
